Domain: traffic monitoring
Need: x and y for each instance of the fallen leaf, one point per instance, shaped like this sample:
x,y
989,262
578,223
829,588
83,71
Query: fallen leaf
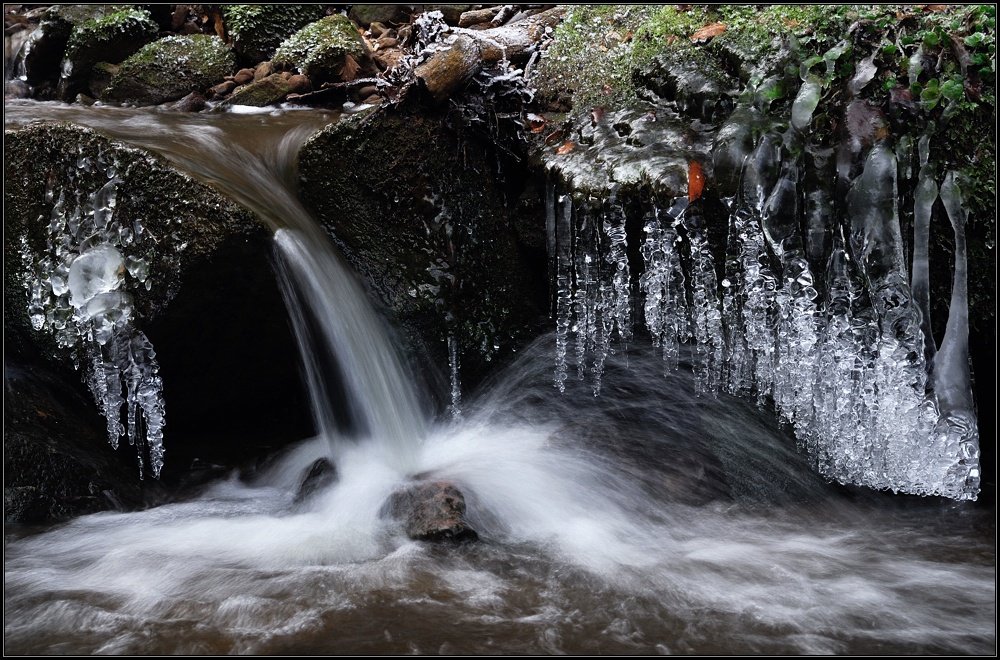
x,y
709,31
791,23
553,136
606,89
597,115
696,181
936,7
566,148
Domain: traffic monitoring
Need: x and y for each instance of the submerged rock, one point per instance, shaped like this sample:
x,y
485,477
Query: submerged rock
x,y
260,93
431,511
318,476
169,69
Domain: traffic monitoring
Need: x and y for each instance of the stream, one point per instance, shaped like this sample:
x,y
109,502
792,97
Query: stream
x,y
648,519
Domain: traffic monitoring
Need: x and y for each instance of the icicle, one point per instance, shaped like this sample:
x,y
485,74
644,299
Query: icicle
x,y
564,287
456,383
958,427
663,283
706,317
923,202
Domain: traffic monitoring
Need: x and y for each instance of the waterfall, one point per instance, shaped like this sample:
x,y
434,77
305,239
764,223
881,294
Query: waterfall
x,y
359,388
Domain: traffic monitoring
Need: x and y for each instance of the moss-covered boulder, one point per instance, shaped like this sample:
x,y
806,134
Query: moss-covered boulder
x,y
418,210
109,38
195,278
323,49
169,69
257,30
365,15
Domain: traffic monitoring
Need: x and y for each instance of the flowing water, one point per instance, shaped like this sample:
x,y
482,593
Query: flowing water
x,y
648,519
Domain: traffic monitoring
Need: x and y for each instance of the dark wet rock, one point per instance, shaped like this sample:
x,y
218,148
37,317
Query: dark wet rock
x,y
212,298
100,76
193,102
16,89
431,511
428,229
57,460
329,50
110,38
261,93
378,29
367,91
258,30
170,69
365,15
317,476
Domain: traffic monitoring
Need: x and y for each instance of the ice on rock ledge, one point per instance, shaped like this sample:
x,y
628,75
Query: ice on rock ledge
x,y
78,292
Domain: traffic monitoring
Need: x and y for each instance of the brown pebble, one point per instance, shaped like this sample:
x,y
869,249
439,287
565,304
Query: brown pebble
x,y
243,76
222,89
377,29
374,99
387,42
300,84
367,91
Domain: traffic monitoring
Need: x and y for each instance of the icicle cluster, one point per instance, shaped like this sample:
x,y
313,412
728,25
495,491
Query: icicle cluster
x,y
76,293
844,357
592,284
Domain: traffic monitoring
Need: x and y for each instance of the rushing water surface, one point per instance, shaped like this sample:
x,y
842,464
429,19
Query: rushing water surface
x,y
646,520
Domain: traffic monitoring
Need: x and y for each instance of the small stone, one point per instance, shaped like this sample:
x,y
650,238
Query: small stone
x,y
388,42
374,99
318,476
193,102
377,29
243,76
431,511
222,89
299,84
367,91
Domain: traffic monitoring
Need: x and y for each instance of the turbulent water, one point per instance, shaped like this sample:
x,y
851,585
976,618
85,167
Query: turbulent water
x,y
649,519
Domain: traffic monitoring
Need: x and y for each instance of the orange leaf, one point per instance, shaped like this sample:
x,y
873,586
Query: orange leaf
x,y
566,148
696,181
709,31
936,7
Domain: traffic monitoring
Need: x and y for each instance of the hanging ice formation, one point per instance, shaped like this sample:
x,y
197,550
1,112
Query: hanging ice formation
x,y
592,284
815,316
76,293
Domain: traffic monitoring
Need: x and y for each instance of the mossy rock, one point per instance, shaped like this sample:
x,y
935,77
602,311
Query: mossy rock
x,y
257,30
320,50
365,15
169,69
109,38
691,81
419,213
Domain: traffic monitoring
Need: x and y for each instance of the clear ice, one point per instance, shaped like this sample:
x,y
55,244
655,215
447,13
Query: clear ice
x,y
79,292
817,315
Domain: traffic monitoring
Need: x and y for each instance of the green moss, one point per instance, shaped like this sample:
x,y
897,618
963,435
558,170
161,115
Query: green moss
x,y
171,68
319,49
257,30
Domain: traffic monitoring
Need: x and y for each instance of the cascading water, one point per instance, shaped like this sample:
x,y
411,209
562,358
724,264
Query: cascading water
x,y
647,519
